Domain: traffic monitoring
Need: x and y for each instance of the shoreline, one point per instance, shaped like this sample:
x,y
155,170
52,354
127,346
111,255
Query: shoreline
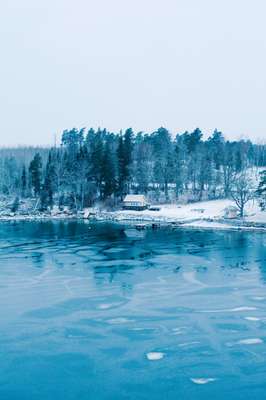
x,y
145,222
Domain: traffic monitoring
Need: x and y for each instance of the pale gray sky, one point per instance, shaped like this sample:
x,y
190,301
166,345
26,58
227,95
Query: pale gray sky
x,y
131,63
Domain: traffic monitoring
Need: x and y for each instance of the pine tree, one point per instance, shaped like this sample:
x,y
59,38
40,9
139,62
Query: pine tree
x,y
96,159
142,163
125,159
35,170
49,184
23,181
128,149
164,159
109,171
121,166
261,191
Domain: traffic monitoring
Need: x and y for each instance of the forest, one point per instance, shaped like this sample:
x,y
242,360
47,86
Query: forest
x,y
98,166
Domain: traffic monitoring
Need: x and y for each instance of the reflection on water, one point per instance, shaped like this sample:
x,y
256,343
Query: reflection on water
x,y
102,311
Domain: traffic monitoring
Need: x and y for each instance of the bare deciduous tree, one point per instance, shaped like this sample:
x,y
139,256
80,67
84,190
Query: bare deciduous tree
x,y
242,191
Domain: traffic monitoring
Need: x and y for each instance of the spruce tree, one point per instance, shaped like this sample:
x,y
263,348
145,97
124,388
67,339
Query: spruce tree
x,y
35,170
121,166
23,181
96,159
48,187
109,171
261,191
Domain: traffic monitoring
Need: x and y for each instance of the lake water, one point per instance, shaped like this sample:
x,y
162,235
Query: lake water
x,y
97,311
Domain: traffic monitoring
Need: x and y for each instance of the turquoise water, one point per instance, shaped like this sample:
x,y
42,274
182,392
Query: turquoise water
x,y
97,311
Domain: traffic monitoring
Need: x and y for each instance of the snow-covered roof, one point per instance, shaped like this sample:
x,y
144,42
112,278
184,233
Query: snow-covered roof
x,y
135,197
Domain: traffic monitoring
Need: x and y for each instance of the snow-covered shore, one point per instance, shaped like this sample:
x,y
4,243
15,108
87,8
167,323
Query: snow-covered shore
x,y
208,214
204,215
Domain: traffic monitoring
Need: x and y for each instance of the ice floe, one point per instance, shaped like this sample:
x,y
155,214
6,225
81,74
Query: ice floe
x,y
252,318
258,298
250,341
118,321
202,381
104,306
155,355
236,309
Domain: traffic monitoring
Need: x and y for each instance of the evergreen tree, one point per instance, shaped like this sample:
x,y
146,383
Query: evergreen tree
x,y
164,159
96,159
261,191
35,170
122,174
49,184
128,149
109,171
23,181
124,159
105,164
143,163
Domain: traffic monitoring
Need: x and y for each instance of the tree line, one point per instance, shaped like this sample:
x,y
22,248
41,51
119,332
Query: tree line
x,y
100,166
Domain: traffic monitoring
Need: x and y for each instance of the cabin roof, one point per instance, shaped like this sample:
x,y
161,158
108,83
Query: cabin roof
x,y
135,197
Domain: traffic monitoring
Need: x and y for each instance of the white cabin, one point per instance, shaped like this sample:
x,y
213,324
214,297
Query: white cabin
x,y
135,202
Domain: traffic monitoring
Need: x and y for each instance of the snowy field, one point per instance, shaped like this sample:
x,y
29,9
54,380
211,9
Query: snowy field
x,y
203,214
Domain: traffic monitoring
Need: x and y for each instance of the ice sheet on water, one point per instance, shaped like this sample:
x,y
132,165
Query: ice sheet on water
x,y
155,355
118,321
78,304
258,298
202,381
253,319
250,341
236,309
114,250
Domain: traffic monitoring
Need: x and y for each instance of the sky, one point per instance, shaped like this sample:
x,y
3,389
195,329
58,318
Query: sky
x,y
143,64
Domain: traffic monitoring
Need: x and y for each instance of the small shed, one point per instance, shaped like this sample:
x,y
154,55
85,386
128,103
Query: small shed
x,y
231,212
135,202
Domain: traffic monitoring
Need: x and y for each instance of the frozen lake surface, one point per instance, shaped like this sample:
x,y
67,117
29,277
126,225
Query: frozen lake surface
x,y
97,311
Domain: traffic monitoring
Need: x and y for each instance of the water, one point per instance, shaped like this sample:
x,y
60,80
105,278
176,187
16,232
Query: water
x,y
102,312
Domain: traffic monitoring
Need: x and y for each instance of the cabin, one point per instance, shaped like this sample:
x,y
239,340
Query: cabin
x,y
135,202
231,212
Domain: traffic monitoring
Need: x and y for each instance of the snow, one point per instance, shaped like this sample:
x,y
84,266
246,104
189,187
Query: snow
x,y
201,214
177,212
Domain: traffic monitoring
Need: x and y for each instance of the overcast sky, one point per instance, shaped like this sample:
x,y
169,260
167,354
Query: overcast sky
x,y
131,63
